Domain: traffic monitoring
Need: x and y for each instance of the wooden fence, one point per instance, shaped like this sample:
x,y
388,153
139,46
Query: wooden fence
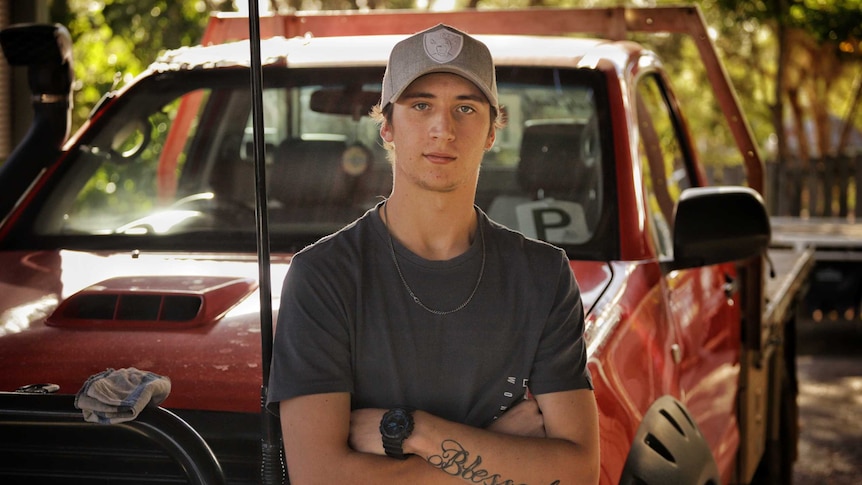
x,y
825,187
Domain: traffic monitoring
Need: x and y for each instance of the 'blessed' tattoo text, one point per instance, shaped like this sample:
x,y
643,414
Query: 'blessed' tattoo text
x,y
455,461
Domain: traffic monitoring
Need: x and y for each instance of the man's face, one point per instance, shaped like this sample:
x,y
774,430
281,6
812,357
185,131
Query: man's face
x,y
441,127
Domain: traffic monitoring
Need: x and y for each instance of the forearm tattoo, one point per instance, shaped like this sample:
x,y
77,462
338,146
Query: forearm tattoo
x,y
456,461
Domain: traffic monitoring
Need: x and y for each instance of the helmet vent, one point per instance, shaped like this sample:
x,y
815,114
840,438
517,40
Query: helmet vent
x,y
672,421
656,445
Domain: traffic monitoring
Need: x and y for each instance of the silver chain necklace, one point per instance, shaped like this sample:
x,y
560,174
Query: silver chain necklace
x,y
407,286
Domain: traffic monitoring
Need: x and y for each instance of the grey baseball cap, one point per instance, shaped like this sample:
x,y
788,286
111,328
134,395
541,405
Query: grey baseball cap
x,y
439,49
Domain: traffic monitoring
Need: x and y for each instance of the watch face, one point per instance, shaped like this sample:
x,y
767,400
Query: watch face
x,y
395,424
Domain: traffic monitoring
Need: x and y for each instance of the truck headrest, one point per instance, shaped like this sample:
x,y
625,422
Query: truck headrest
x,y
550,152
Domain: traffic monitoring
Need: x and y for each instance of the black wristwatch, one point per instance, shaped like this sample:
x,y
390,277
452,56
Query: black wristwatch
x,y
395,427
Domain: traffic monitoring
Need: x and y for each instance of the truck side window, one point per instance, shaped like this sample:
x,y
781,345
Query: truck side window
x,y
662,161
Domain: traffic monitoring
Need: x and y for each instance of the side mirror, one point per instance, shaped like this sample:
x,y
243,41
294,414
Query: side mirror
x,y
718,224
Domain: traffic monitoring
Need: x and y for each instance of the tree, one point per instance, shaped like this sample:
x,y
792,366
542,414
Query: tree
x,y
818,53
818,46
114,40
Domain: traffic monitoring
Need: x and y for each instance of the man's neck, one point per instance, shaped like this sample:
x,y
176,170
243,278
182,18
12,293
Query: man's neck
x,y
435,227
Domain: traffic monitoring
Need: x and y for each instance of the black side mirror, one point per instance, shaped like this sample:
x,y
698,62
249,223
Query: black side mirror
x,y
718,224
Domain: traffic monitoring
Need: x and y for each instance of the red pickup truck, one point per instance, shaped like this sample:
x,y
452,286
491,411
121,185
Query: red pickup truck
x,y
132,243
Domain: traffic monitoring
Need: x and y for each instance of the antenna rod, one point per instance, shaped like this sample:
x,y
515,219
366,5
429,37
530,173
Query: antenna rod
x,y
272,460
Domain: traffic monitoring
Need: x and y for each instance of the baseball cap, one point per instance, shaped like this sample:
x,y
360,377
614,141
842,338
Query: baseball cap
x,y
441,48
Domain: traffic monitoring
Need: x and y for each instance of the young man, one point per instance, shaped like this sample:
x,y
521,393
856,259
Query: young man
x,y
425,343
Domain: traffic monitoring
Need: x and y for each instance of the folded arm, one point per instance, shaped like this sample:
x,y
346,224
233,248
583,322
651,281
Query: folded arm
x,y
325,443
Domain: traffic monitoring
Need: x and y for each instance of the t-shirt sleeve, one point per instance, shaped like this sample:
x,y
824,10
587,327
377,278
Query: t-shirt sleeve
x,y
561,359
311,348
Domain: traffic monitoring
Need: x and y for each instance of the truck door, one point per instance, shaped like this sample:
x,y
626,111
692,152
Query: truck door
x,y
702,308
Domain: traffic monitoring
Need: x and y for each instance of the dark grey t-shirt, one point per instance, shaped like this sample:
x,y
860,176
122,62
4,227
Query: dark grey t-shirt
x,y
348,324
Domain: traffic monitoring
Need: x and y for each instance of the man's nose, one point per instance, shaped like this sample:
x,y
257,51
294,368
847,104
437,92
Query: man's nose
x,y
443,126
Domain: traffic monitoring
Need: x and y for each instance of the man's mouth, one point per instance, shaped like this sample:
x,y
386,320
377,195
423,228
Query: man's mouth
x,y
438,157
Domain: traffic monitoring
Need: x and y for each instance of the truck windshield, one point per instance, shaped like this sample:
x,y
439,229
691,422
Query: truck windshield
x,y
173,156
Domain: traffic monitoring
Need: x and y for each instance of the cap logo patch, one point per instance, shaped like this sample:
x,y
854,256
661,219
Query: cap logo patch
x,y
442,45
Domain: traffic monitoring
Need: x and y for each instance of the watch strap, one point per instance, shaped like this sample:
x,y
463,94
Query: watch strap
x,y
394,448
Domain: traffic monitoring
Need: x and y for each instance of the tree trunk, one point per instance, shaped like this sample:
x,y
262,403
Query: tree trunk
x,y
783,153
847,127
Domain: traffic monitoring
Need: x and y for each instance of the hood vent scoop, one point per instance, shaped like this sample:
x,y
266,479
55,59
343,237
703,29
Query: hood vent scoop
x,y
155,302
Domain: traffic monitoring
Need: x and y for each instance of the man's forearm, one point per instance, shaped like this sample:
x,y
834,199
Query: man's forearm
x,y
317,430
485,457
443,452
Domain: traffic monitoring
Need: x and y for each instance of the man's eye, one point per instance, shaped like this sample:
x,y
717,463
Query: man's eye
x,y
420,106
466,109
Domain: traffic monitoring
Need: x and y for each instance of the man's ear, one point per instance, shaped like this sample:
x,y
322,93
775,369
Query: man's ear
x,y
386,131
492,137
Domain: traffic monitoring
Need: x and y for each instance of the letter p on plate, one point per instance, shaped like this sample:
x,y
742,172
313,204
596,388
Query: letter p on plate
x,y
554,221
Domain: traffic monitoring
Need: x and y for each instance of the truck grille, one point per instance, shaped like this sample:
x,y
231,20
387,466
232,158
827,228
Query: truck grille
x,y
44,439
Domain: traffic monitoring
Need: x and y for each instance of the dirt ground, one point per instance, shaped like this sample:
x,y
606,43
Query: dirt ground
x,y
830,403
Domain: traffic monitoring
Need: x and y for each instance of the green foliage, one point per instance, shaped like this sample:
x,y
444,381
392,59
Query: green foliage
x,y
827,21
115,40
